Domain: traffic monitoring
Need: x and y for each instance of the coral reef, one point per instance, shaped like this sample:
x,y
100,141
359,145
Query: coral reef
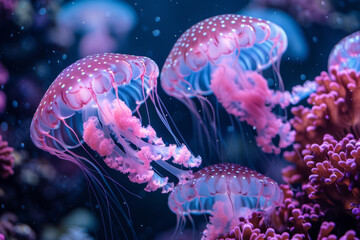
x,y
333,111
326,153
335,168
6,159
292,220
11,228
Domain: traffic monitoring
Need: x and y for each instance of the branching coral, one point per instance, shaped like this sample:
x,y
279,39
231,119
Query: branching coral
x,y
247,231
335,168
293,216
297,219
327,153
334,108
6,159
334,111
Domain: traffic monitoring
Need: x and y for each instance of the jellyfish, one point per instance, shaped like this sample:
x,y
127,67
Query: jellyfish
x,y
226,191
225,56
103,26
346,54
298,48
90,114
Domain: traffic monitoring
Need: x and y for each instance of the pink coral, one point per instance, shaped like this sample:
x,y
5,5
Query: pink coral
x,y
326,155
292,220
295,214
334,108
247,231
333,111
327,227
6,159
335,168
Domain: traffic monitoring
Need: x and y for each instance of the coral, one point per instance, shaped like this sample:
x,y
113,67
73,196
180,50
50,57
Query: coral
x,y
247,231
333,108
296,219
335,168
10,228
327,227
254,228
6,159
294,215
333,111
326,154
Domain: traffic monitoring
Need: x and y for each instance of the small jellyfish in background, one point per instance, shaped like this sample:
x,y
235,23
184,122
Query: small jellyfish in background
x,y
103,26
89,114
298,48
225,56
346,54
6,159
226,192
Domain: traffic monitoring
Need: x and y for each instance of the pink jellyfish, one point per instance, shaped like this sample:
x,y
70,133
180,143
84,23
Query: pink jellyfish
x,y
225,56
90,105
346,54
227,192
102,25
89,114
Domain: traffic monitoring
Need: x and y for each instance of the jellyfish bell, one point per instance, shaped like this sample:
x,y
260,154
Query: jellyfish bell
x,y
224,56
89,113
346,54
298,48
252,43
225,191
